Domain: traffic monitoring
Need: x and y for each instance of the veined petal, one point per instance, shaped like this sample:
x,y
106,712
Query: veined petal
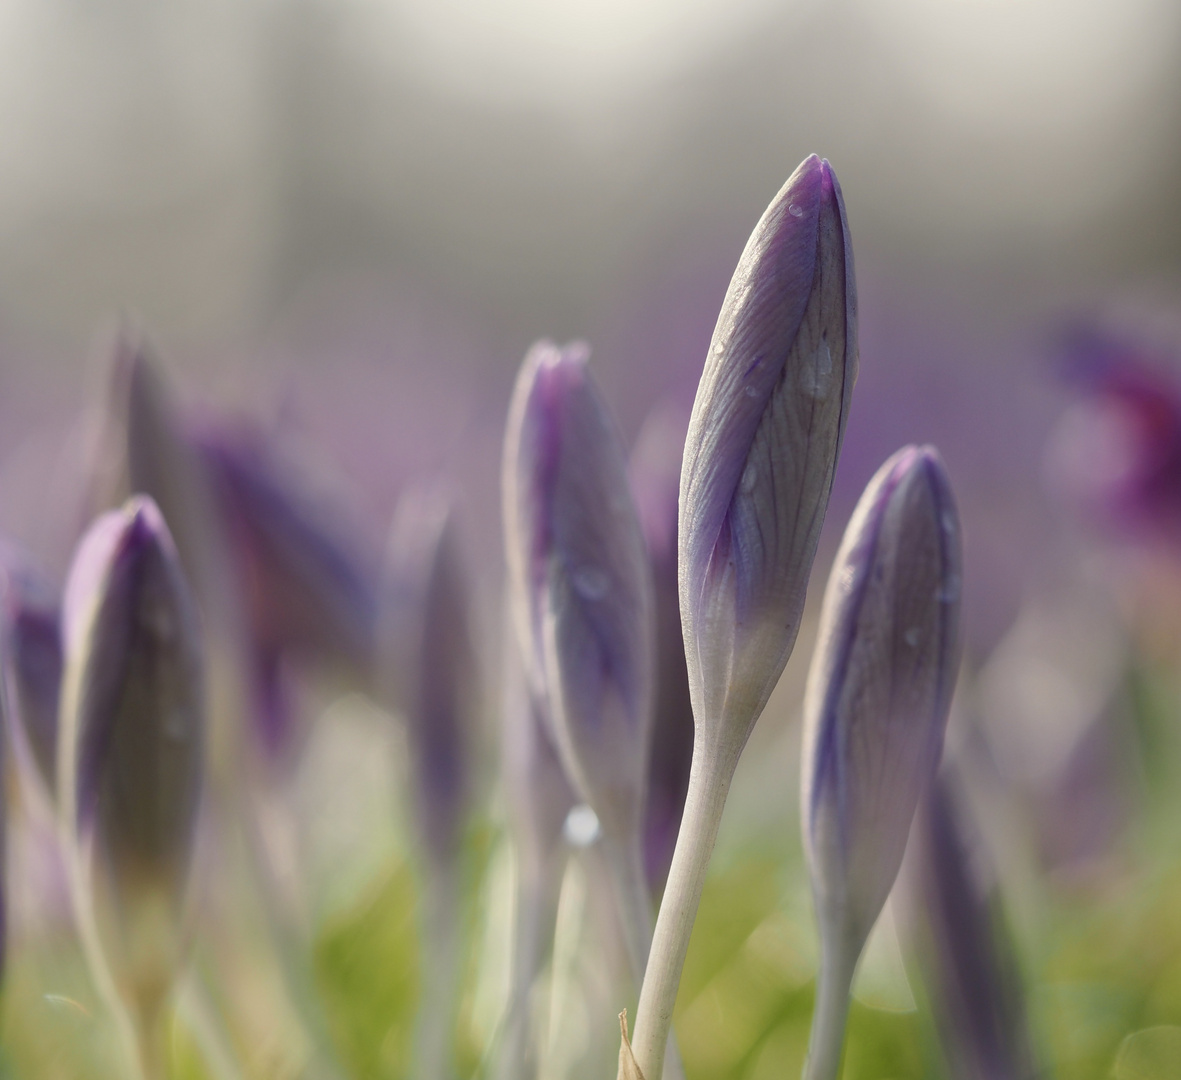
x,y
762,447
881,683
579,578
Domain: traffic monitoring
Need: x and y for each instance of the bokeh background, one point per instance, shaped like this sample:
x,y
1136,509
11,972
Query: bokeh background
x,y
353,217
349,219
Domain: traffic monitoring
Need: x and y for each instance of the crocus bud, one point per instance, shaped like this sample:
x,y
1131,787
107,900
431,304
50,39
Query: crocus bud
x,y
33,663
966,957
580,584
655,469
433,654
758,464
762,448
307,593
130,755
581,593
875,709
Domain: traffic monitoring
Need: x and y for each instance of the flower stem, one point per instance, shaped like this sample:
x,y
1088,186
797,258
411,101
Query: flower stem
x,y
709,783
626,867
831,1011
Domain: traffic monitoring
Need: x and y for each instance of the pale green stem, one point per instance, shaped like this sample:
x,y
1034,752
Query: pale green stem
x,y
533,934
709,783
154,1043
831,1011
200,1016
440,967
626,867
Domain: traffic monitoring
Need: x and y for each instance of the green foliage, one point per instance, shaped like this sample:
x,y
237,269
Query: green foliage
x,y
367,971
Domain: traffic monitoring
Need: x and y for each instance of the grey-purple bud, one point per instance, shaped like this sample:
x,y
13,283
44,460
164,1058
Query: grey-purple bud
x,y
762,447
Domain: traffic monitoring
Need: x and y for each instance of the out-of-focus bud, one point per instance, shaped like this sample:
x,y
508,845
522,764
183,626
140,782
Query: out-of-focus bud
x,y
1116,453
875,709
147,453
966,958
762,447
580,584
581,594
655,477
33,663
432,651
307,592
130,755
433,677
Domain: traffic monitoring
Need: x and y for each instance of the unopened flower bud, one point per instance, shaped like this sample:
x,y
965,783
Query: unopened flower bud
x,y
581,593
130,757
433,655
579,579
33,663
307,590
762,447
966,957
757,470
655,477
875,709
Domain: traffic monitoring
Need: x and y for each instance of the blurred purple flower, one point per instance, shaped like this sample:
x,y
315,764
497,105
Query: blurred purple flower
x,y
1117,452
307,591
762,447
965,954
432,651
875,709
33,661
655,478
132,744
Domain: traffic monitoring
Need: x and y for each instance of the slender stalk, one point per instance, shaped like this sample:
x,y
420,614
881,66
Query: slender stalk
x,y
831,1011
155,1042
200,1016
441,974
533,934
709,783
626,867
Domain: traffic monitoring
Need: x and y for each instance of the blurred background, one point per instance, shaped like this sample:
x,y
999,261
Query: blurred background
x,y
353,217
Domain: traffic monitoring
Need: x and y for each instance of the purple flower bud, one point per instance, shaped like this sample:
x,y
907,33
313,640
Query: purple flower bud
x,y
132,743
965,955
433,652
875,708
762,447
655,478
33,664
149,454
579,580
306,591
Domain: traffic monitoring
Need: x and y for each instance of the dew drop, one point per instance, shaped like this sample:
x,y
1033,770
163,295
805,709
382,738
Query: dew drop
x,y
590,582
816,377
581,828
794,210
752,392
